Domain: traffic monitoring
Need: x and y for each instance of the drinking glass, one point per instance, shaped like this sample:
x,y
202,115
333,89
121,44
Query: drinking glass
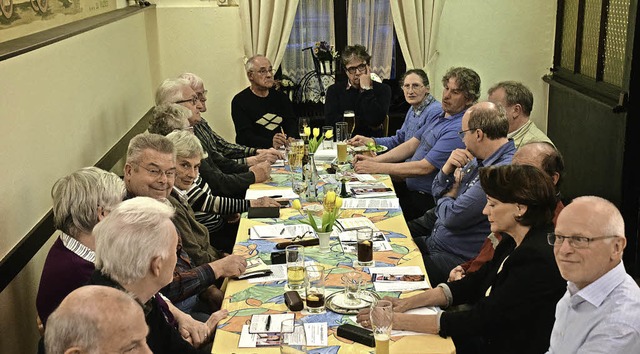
x,y
295,266
329,203
298,184
295,153
314,286
353,283
303,122
365,246
381,317
342,131
293,338
327,143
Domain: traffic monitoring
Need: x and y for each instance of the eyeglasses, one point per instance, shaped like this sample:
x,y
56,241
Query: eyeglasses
x,y
193,100
414,87
361,67
574,241
157,173
263,71
202,96
462,132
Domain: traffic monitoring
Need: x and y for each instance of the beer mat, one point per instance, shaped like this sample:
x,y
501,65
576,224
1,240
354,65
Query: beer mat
x,y
333,304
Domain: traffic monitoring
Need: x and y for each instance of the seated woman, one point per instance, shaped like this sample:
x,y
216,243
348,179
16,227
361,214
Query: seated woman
x,y
512,298
208,207
80,201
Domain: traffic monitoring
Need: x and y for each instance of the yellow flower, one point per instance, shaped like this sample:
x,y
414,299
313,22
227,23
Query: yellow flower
x,y
296,204
316,132
338,202
307,131
330,197
328,134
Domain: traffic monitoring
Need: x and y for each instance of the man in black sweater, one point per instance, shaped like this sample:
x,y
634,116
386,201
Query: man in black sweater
x,y
263,116
369,100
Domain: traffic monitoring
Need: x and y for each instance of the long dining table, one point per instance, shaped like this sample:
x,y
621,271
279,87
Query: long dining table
x,y
244,298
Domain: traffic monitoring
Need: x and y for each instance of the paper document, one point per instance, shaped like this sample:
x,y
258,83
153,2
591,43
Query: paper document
x,y
271,323
278,163
398,285
348,242
279,193
280,231
316,334
278,273
355,223
370,203
369,190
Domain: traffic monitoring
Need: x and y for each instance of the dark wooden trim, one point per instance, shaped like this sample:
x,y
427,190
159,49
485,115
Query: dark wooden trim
x,y
601,91
22,253
602,35
577,64
557,49
340,27
18,46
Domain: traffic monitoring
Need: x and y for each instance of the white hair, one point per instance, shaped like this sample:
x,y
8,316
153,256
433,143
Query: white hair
x,y
187,145
169,117
248,66
148,141
170,91
130,237
194,80
76,199
80,319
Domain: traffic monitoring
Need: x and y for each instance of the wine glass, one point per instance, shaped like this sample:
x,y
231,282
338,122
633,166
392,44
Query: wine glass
x,y
303,122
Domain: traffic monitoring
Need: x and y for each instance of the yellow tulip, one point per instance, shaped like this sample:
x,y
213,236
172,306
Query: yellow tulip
x,y
330,197
307,131
316,132
338,202
329,134
296,204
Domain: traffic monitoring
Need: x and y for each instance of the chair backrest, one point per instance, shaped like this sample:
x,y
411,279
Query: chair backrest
x,y
385,126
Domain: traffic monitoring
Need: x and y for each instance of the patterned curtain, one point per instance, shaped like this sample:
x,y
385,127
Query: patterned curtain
x,y
369,22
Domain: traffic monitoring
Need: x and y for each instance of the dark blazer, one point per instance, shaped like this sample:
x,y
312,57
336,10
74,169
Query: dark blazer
x,y
518,314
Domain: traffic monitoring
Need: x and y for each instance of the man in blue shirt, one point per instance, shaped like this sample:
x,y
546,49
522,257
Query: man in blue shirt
x,y
427,151
600,312
460,227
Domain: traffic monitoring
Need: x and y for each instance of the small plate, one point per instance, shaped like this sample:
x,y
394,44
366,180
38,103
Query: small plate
x,y
367,297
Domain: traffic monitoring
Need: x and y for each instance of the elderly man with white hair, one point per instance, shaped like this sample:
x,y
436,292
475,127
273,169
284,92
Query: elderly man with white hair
x,y
212,141
600,312
80,200
226,176
97,319
136,252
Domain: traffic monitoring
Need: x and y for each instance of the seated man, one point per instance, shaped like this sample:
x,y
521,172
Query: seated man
x,y
214,212
600,311
136,252
226,176
150,172
369,100
428,150
211,141
460,228
538,154
261,113
97,319
517,100
80,201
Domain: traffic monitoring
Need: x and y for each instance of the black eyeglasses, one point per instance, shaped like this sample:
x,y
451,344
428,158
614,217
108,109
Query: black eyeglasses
x,y
193,100
574,241
202,96
361,67
157,173
462,132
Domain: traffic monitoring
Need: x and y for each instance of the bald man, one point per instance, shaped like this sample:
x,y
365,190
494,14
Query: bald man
x,y
600,312
97,319
542,155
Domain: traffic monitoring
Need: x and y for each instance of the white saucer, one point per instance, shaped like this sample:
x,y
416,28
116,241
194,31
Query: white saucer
x,y
339,300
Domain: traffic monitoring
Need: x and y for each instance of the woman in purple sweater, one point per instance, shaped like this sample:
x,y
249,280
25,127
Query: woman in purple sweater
x,y
80,201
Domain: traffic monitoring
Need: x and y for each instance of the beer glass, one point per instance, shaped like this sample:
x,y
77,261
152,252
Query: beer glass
x,y
295,266
314,286
381,317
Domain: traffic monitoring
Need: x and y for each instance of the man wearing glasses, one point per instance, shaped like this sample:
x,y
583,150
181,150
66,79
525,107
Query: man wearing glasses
x,y
369,100
263,116
600,312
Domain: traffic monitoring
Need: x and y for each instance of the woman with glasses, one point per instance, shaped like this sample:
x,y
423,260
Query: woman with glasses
x,y
369,100
512,298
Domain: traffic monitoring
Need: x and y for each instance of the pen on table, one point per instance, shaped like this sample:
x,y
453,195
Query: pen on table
x,y
282,130
275,196
268,326
282,231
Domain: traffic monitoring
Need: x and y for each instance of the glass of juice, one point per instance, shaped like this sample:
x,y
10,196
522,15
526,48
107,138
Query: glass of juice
x,y
314,288
295,266
381,317
365,246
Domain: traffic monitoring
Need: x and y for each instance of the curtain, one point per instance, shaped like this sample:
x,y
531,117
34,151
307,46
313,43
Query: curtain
x,y
369,22
313,23
416,23
266,25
